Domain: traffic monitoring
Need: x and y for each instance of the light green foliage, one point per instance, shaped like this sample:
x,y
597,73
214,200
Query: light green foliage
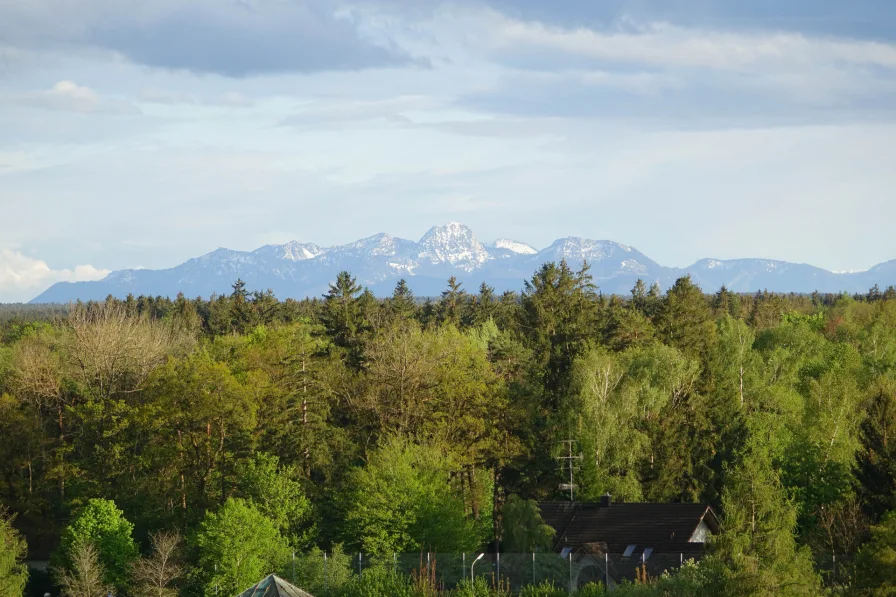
x,y
479,587
13,572
277,493
101,524
435,384
379,581
523,528
734,365
545,589
210,412
402,502
236,547
618,399
320,574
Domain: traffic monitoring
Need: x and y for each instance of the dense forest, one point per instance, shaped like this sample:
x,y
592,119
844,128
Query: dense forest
x,y
155,446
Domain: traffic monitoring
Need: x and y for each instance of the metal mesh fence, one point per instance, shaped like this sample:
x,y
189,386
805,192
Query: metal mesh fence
x,y
512,570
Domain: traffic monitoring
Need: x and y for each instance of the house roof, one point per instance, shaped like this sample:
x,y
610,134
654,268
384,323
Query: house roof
x,y
274,586
612,528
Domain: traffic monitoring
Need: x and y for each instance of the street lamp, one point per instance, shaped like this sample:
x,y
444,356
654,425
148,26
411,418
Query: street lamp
x,y
479,557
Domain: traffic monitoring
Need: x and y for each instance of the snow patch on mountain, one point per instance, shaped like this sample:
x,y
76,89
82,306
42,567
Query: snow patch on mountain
x,y
630,265
575,249
514,246
291,251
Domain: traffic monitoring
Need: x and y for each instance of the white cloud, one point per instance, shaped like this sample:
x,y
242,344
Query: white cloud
x,y
666,45
23,277
68,96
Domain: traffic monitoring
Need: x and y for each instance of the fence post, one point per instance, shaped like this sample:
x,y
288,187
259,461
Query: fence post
x,y
533,567
360,572
498,555
570,572
326,577
607,571
834,561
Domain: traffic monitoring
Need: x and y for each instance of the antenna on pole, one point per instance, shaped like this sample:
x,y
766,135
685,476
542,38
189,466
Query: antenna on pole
x,y
568,461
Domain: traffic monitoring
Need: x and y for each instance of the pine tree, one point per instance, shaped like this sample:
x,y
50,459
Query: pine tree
x,y
342,315
453,304
484,306
559,312
402,304
684,320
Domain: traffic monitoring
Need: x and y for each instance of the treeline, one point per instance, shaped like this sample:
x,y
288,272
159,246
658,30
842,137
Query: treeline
x,y
242,428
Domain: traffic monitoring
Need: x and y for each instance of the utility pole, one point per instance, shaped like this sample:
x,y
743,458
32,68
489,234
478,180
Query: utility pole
x,y
569,462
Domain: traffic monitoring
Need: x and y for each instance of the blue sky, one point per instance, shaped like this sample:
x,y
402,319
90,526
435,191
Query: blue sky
x,y
139,135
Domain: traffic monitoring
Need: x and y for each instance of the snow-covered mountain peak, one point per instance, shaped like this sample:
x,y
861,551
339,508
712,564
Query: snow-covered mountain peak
x,y
574,248
448,231
291,251
378,244
514,246
453,243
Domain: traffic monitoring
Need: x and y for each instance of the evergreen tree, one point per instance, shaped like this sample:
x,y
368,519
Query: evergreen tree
x,y
685,320
342,316
402,304
452,306
559,313
877,458
757,545
876,562
484,306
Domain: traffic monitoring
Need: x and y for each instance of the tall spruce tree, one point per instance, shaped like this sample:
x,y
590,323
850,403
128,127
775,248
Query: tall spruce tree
x,y
402,303
342,316
685,321
559,316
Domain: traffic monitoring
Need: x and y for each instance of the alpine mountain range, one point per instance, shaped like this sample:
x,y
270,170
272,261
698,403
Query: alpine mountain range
x,y
299,270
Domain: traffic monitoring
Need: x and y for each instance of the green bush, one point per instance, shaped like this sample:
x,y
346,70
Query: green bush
x,y
545,589
479,588
378,581
312,573
592,590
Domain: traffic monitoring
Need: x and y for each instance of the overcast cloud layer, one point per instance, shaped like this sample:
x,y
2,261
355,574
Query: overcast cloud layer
x,y
140,135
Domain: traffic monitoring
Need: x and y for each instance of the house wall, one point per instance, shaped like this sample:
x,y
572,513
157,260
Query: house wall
x,y
701,533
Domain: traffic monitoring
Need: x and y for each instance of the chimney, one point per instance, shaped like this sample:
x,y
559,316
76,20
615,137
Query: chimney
x,y
605,500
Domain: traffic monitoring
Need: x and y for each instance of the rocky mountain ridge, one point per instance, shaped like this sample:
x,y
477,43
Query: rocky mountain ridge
x,y
299,269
